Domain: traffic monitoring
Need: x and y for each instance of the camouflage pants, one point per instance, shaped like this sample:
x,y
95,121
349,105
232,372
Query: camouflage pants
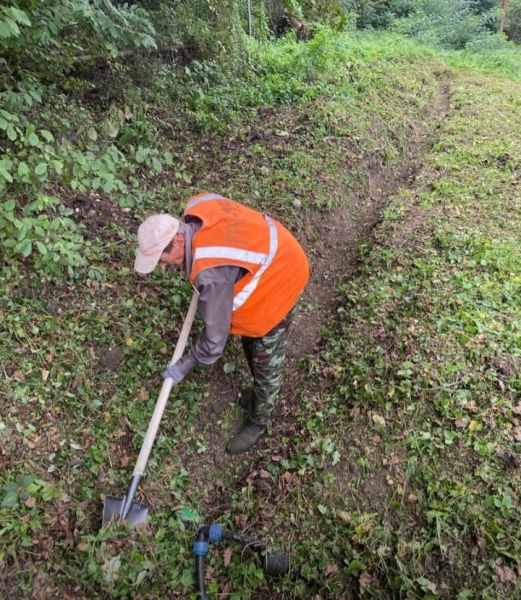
x,y
265,358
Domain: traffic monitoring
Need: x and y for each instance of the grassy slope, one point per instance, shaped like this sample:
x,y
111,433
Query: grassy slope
x,y
428,360
401,476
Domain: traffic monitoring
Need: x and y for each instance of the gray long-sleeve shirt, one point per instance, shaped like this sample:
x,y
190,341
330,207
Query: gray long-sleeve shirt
x,y
215,289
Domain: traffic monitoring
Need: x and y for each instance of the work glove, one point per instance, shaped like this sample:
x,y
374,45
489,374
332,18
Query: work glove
x,y
172,370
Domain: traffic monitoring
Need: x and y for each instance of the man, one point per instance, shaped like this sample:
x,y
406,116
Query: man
x,y
249,272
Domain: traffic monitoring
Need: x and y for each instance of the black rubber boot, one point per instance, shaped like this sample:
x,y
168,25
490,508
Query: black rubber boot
x,y
247,437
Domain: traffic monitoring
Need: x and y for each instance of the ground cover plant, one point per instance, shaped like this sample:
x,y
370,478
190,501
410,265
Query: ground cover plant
x,y
392,469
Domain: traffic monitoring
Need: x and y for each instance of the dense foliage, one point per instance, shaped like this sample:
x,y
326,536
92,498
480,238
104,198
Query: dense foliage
x,y
513,21
448,23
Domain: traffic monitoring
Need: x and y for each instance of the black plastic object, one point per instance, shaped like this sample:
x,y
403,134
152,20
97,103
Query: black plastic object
x,y
275,563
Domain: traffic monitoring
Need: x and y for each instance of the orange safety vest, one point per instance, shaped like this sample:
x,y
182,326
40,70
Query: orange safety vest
x,y
278,269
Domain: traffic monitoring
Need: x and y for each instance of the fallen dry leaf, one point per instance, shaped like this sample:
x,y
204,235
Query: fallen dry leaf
x,y
505,574
30,502
227,556
331,569
345,516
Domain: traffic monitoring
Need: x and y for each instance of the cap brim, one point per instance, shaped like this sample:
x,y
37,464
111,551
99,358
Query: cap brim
x,y
146,264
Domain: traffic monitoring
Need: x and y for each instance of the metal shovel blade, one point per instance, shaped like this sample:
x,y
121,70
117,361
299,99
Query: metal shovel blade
x,y
113,507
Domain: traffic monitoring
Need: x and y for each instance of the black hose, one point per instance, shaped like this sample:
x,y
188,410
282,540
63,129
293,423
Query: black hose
x,y
275,563
200,550
199,574
244,539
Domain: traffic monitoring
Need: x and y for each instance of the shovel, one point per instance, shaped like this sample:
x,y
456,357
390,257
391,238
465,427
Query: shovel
x,y
126,508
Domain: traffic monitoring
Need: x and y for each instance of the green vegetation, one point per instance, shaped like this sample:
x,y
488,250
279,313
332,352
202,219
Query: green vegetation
x,y
429,357
393,470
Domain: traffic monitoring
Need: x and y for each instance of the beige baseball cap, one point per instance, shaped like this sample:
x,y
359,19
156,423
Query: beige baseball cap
x,y
154,235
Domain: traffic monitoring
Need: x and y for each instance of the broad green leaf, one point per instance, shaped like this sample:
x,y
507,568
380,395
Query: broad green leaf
x,y
26,248
13,25
23,169
140,155
10,499
9,205
11,132
35,94
20,16
9,116
33,139
111,129
9,28
47,135
22,233
6,175
5,32
41,169
157,165
58,166
186,578
92,134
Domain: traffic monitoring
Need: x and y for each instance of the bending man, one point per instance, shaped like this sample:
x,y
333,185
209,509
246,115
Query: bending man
x,y
249,272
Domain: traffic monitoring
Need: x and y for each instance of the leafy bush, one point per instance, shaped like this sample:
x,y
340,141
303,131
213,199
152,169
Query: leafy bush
x,y
513,21
377,14
446,23
48,36
43,229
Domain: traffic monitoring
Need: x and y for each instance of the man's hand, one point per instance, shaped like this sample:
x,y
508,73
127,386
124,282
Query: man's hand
x,y
174,373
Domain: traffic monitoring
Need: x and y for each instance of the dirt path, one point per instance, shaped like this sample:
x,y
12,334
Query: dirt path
x,y
331,239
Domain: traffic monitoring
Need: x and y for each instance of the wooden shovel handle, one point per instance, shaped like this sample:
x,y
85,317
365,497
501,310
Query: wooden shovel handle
x,y
165,390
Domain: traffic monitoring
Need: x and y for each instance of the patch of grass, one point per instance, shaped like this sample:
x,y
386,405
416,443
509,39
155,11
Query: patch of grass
x,y
430,347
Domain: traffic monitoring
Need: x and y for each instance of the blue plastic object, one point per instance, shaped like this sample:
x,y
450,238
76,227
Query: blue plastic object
x,y
201,547
215,532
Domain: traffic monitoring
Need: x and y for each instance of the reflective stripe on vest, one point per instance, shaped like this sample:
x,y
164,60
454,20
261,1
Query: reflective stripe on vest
x,y
204,198
230,253
247,291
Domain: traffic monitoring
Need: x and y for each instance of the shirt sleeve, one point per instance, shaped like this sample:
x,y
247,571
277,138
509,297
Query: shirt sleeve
x,y
215,288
